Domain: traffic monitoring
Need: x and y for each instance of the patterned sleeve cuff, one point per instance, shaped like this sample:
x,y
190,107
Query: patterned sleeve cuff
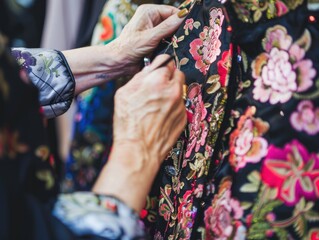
x,y
51,74
88,214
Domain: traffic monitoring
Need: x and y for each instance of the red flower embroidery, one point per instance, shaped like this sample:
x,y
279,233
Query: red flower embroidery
x,y
223,67
293,172
314,234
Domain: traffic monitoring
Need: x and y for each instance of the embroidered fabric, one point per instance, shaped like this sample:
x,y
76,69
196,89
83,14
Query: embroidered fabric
x,y
89,214
50,73
246,165
92,137
28,185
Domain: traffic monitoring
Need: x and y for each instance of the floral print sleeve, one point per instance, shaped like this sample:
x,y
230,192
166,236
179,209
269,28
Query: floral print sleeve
x,y
88,214
28,185
50,73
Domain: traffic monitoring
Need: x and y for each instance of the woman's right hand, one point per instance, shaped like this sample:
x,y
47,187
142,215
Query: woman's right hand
x,y
149,117
150,110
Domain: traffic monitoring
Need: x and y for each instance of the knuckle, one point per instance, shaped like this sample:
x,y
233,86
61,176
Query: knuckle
x,y
119,94
142,8
176,93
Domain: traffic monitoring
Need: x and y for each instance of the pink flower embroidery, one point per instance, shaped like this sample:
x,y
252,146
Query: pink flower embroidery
x,y
282,69
306,118
293,171
198,127
222,218
189,24
185,215
282,9
246,143
206,48
199,191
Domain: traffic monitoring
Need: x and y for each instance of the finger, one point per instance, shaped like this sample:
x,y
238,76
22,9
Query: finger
x,y
168,26
178,78
177,122
154,13
163,11
158,61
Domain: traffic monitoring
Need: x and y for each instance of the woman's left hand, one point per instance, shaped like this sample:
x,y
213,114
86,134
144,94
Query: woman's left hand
x,y
92,66
149,25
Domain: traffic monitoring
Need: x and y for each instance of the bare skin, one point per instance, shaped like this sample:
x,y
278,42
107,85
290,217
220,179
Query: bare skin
x,y
92,66
146,125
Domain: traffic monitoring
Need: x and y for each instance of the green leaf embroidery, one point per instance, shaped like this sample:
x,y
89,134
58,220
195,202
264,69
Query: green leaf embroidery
x,y
183,61
312,216
196,24
246,205
281,233
300,226
254,177
249,188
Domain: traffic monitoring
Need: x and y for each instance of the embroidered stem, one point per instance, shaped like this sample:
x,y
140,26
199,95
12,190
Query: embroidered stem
x,y
286,223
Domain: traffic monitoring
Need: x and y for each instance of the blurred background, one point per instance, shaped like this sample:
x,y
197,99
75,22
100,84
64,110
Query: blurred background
x,y
81,139
56,24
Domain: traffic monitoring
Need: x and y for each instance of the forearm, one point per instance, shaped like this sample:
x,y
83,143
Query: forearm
x,y
92,66
128,175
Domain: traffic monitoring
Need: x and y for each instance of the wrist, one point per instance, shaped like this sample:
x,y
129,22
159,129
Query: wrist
x,y
129,173
122,64
134,154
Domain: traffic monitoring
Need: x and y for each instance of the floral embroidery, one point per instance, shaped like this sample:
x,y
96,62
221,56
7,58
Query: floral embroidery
x,y
314,234
11,145
185,212
24,59
293,172
198,126
246,143
200,165
206,48
85,213
282,69
166,209
188,25
199,191
252,10
42,152
306,118
222,217
223,67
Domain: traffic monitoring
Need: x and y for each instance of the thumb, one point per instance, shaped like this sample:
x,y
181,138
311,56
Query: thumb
x,y
170,25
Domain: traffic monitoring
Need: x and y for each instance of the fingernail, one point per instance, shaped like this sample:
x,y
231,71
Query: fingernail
x,y
184,91
182,13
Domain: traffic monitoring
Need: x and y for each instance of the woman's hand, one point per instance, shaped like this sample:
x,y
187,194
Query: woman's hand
x,y
149,117
92,66
150,109
149,25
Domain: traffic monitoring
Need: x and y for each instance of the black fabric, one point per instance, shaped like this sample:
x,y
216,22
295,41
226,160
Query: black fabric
x,y
23,24
91,12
